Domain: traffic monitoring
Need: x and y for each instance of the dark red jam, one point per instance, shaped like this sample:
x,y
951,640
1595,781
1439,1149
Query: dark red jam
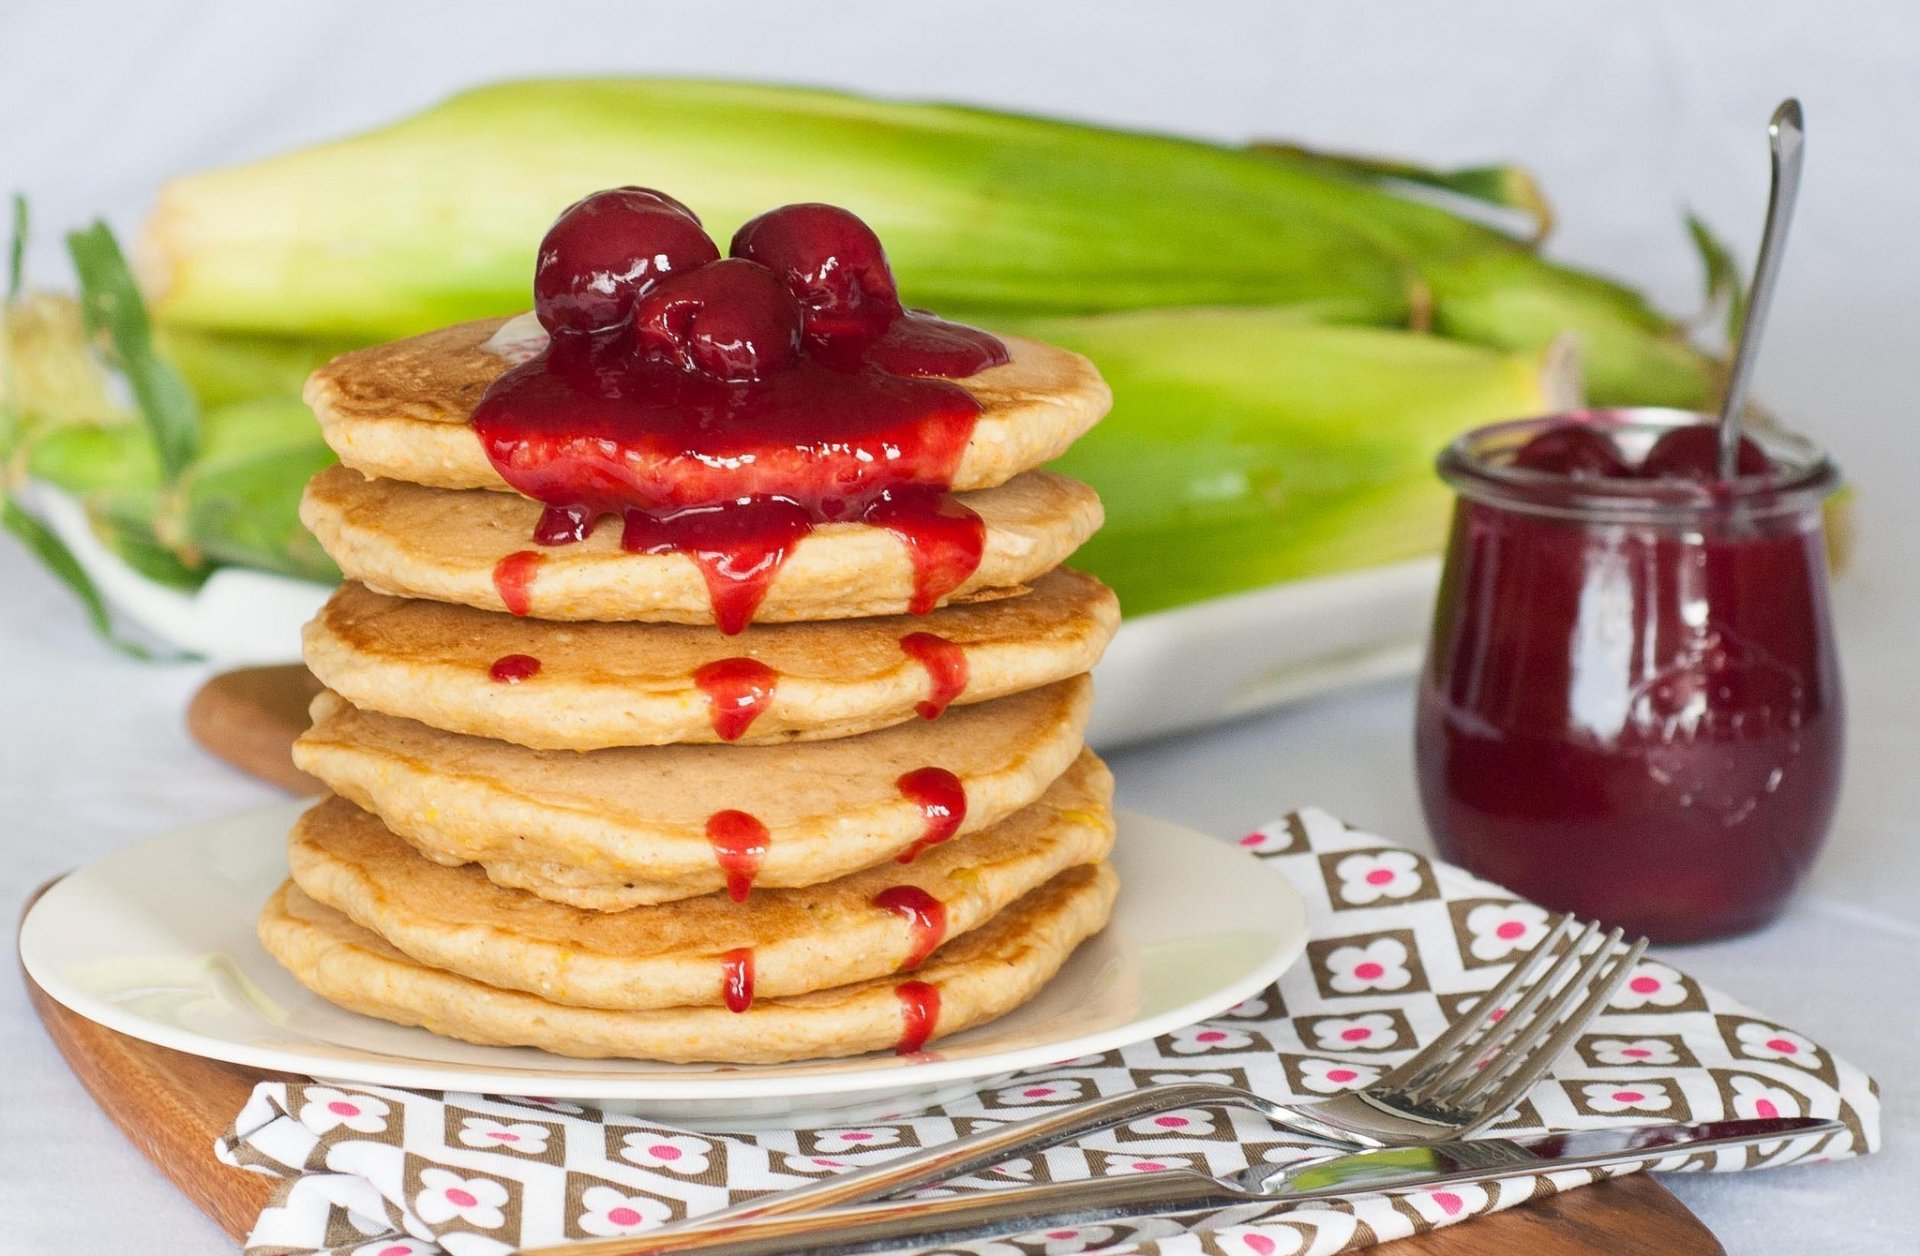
x,y
736,978
926,915
511,669
946,665
919,1014
724,408
737,691
942,800
1631,706
739,844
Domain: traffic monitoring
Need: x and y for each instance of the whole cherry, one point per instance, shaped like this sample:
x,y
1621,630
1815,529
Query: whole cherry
x,y
607,249
1693,453
1573,449
731,320
833,263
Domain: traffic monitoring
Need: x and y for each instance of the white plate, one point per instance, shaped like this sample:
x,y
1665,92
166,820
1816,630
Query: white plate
x,y
157,941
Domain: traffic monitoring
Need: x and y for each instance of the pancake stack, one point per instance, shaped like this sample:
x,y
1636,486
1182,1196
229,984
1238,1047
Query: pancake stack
x,y
569,812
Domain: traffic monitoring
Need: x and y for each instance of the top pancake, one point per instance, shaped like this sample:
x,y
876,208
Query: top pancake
x,y
400,411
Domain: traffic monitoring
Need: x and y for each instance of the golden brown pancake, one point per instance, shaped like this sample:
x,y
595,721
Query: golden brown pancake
x,y
444,544
400,411
676,954
601,684
977,977
612,829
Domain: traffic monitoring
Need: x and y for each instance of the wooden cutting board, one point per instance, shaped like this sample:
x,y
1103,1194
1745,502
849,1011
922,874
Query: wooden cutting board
x,y
172,1106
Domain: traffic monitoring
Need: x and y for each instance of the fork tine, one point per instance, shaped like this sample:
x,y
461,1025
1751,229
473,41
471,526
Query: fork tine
x,y
1515,1023
1518,1076
1440,1050
1543,1027
1531,1021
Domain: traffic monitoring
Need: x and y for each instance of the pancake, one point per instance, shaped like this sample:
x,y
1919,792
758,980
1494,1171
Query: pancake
x,y
978,976
400,411
444,544
672,954
604,685
617,828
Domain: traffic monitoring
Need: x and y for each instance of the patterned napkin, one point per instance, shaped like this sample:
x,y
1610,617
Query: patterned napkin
x,y
1399,944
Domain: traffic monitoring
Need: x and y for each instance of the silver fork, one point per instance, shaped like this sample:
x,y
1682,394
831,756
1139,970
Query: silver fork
x,y
1461,1082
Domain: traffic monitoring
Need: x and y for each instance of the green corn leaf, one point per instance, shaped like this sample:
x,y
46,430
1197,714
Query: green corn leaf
x,y
1502,187
58,559
240,502
114,310
17,250
1725,284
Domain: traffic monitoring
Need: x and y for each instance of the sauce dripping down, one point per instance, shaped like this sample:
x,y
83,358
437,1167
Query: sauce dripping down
x,y
946,666
513,579
739,844
942,800
919,1014
926,915
734,474
511,669
737,691
736,979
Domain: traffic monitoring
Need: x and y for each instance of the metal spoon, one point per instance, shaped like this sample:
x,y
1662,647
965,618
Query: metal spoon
x,y
1787,137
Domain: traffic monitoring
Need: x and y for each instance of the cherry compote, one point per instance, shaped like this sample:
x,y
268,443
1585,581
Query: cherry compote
x,y
1630,707
725,407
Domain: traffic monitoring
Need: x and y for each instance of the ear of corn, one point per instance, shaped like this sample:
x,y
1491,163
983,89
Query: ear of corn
x,y
435,219
1289,335
1246,449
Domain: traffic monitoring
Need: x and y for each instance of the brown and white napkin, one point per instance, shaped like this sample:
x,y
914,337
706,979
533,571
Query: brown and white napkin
x,y
1399,945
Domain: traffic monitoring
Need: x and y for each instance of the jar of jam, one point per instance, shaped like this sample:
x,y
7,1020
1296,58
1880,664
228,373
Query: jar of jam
x,y
1630,707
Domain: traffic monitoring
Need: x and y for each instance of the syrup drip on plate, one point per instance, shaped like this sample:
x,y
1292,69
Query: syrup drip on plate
x,y
946,665
513,579
739,844
919,1014
926,915
736,979
737,691
511,669
942,800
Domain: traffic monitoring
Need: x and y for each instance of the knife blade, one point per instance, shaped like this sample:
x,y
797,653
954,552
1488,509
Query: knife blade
x,y
1481,1159
952,1220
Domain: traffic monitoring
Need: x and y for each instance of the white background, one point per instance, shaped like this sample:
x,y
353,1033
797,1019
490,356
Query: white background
x,y
1627,110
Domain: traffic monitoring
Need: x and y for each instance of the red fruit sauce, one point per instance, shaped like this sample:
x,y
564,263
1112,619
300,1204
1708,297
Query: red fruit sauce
x,y
739,843
925,913
513,579
737,691
942,800
736,978
919,1014
511,669
731,406
946,665
1631,706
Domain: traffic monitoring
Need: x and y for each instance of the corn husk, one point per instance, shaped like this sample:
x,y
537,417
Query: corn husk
x,y
435,219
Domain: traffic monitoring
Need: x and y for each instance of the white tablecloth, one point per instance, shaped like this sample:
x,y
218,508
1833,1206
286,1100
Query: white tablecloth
x,y
92,756
1627,110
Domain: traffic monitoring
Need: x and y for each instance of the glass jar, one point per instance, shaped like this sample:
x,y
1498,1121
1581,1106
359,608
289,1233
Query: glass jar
x,y
1630,707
